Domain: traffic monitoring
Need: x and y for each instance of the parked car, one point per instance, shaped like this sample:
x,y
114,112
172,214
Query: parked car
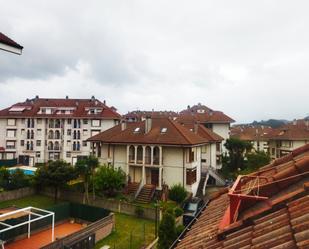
x,y
191,209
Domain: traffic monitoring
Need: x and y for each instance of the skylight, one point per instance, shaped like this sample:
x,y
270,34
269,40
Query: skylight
x,y
164,130
137,129
17,109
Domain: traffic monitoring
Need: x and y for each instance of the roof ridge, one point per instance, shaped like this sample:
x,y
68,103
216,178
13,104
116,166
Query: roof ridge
x,y
174,124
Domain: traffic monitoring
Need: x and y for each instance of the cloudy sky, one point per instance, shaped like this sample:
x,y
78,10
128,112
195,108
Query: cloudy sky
x,y
247,58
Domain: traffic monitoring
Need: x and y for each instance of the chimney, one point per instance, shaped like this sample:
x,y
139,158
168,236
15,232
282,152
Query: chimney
x,y
37,96
92,98
148,123
294,122
195,127
67,97
123,125
104,102
307,123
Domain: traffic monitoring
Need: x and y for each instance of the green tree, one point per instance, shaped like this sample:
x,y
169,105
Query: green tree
x,y
18,179
55,174
237,150
167,231
4,178
85,168
256,160
109,180
177,193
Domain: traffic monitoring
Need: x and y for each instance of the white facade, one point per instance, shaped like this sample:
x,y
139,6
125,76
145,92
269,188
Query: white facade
x,y
279,148
43,139
155,164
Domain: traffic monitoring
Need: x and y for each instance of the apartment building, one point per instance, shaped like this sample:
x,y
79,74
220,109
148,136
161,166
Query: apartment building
x,y
136,116
42,129
158,151
216,121
288,137
257,135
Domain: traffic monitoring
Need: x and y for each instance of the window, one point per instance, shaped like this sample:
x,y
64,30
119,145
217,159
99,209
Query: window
x,y
10,144
85,143
10,133
190,155
38,154
164,130
190,176
69,132
11,122
38,143
218,147
22,142
209,126
95,122
85,132
137,129
68,143
85,121
22,131
39,132
68,154
204,149
39,121
69,121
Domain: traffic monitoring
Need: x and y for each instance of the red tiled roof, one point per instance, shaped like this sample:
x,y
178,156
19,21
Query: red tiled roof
x,y
140,115
282,221
175,134
33,106
297,130
6,40
251,133
205,132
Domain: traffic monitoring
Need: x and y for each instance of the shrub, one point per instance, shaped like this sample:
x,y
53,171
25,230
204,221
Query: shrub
x,y
139,211
167,231
177,193
178,211
179,229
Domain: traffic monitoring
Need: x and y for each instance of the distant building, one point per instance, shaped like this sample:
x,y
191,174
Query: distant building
x,y
9,45
216,121
136,116
257,135
288,137
42,129
159,151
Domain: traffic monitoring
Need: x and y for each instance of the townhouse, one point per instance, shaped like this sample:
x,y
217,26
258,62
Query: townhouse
x,y
216,121
257,135
42,129
288,137
158,151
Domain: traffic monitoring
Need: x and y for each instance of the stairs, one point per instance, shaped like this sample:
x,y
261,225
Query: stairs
x,y
132,188
219,180
146,193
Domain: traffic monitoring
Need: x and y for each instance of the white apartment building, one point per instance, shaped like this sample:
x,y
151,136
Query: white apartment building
x,y
40,129
158,151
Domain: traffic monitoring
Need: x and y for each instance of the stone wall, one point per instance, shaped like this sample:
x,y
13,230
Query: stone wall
x,y
16,194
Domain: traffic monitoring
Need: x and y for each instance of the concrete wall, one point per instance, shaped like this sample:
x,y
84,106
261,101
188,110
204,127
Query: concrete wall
x,y
16,194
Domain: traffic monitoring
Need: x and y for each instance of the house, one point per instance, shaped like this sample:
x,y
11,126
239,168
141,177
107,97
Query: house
x,y
288,137
42,129
158,151
9,45
256,135
136,116
266,209
216,121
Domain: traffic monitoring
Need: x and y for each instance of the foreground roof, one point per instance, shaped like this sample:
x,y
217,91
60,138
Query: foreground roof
x,y
9,45
163,131
280,221
60,108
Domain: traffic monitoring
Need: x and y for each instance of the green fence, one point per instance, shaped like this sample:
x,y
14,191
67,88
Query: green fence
x,y
62,212
8,163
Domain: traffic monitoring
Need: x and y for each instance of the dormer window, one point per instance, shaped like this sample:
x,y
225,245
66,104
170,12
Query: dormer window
x,y
164,130
137,129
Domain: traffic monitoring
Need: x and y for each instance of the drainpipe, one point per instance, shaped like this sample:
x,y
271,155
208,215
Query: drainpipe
x,y
183,167
113,156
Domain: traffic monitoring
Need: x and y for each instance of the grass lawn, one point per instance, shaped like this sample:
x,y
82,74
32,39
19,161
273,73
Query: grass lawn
x,y
38,201
127,225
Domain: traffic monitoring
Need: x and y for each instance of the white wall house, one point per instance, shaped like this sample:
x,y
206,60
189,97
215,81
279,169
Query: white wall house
x,y
156,151
39,130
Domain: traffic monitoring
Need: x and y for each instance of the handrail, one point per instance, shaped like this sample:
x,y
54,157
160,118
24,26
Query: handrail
x,y
140,187
188,226
205,183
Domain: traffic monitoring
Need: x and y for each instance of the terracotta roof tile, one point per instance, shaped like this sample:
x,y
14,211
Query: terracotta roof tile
x,y
280,222
32,107
175,134
251,133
